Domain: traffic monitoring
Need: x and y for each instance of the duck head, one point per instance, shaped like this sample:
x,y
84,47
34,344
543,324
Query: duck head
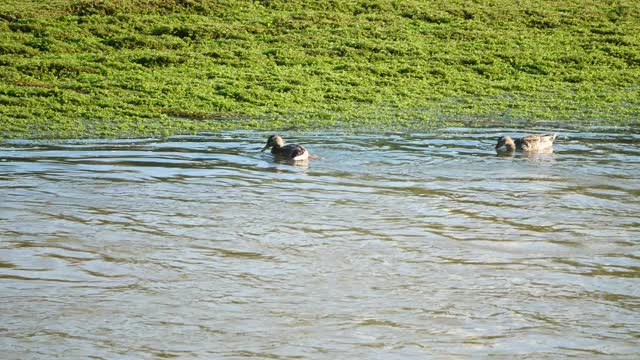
x,y
507,142
273,141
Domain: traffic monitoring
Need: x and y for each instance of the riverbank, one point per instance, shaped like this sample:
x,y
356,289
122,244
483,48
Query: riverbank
x,y
123,68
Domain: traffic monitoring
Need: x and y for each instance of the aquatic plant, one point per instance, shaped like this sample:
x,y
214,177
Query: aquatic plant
x,y
121,68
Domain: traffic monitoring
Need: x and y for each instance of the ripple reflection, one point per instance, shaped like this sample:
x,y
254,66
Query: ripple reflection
x,y
390,245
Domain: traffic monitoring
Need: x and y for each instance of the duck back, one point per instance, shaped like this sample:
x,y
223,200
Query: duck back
x,y
291,151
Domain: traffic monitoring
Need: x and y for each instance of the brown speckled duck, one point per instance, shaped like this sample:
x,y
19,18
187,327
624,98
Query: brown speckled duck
x,y
529,143
293,152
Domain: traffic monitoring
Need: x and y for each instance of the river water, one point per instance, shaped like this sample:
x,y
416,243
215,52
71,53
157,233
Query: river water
x,y
390,246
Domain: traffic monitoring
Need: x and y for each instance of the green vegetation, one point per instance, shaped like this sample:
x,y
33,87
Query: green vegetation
x,y
105,68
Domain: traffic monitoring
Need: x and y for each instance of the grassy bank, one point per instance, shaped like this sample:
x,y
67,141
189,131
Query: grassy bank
x,y
103,68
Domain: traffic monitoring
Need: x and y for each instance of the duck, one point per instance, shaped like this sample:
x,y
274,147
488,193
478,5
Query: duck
x,y
528,143
293,152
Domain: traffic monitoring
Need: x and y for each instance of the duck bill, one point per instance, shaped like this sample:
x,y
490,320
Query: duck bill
x,y
264,148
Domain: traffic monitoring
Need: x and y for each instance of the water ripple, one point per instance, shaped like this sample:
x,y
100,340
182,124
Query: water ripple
x,y
388,246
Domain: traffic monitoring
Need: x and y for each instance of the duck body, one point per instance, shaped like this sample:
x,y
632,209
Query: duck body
x,y
529,143
293,152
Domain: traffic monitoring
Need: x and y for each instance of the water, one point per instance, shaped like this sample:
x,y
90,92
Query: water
x,y
391,246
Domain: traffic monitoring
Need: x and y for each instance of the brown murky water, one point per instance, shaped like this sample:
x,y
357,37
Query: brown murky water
x,y
392,246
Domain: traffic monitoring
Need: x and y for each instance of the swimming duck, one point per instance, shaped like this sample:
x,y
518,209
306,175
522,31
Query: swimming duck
x,y
293,152
530,143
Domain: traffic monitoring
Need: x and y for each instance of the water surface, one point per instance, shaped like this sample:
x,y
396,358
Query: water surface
x,y
391,246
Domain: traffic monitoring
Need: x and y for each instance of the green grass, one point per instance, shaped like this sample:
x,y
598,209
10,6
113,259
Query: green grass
x,y
125,68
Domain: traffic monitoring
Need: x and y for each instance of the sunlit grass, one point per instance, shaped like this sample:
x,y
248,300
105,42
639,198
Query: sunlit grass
x,y
104,68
